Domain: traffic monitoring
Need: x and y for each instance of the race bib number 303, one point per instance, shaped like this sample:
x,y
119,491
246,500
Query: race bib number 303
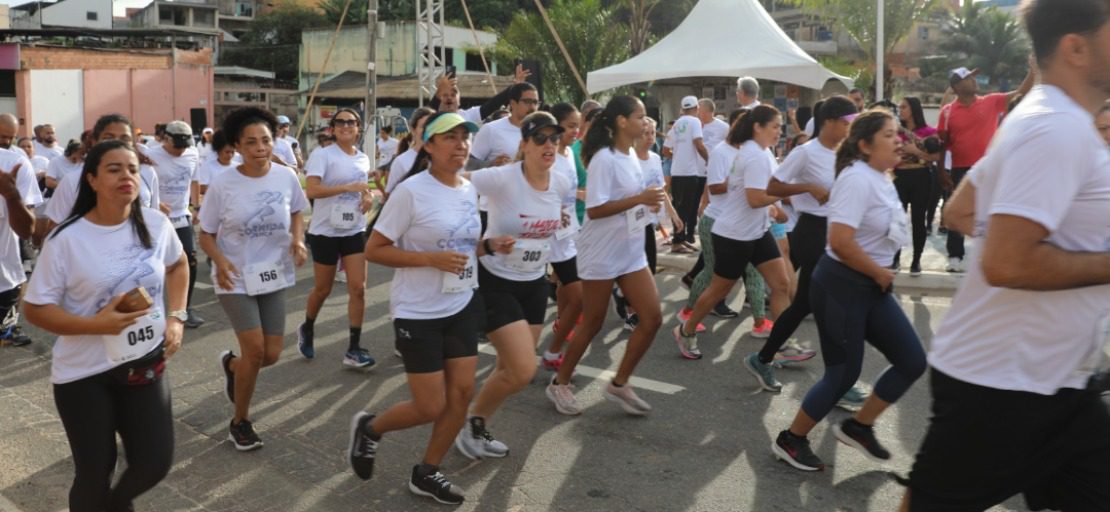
x,y
529,255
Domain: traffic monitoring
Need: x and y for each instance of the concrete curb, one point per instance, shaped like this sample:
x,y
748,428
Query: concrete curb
x,y
938,282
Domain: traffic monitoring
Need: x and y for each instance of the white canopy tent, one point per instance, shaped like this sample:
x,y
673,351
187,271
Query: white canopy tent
x,y
720,38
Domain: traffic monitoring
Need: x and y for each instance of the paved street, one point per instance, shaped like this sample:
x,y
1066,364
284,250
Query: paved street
x,y
704,448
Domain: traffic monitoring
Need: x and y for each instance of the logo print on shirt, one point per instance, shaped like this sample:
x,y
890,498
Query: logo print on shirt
x,y
126,271
266,203
463,235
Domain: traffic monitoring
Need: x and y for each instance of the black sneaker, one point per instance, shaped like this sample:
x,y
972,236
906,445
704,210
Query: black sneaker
x,y
862,438
620,305
305,336
721,310
631,322
243,436
796,452
363,448
915,269
14,336
194,320
229,377
435,486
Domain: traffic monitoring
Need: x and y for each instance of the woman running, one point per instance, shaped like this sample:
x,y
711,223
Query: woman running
x,y
568,293
611,250
741,234
114,338
913,178
525,201
436,312
338,180
252,228
852,298
408,149
224,158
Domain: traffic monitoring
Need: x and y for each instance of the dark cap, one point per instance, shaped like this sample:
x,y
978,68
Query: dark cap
x,y
537,121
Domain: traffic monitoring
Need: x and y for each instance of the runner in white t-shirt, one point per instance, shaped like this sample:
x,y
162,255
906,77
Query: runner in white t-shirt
x,y
387,147
338,182
108,362
611,250
38,162
430,232
498,142
223,159
20,195
651,164
46,143
59,167
852,295
402,163
252,226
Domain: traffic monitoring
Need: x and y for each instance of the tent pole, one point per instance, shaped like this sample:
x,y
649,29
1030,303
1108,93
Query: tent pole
x,y
880,71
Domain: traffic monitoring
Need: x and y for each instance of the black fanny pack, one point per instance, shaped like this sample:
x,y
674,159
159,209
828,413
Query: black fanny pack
x,y
144,370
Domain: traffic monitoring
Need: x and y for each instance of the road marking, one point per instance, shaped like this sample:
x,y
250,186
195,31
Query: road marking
x,y
605,375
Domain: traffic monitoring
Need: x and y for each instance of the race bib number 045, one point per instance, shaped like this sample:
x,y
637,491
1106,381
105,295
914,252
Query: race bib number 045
x,y
136,340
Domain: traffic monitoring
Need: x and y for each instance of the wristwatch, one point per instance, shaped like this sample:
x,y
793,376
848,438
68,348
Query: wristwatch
x,y
180,315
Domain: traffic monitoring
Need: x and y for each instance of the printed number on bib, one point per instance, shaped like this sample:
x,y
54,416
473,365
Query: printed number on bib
x,y
180,222
463,281
263,278
345,216
529,255
136,340
637,218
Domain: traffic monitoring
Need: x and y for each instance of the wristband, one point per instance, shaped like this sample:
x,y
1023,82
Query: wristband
x,y
485,245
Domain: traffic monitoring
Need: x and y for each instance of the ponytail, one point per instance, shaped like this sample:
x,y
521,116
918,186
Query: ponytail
x,y
863,129
818,118
744,128
602,132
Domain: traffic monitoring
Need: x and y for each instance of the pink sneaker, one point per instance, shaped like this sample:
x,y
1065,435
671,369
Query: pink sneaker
x,y
763,330
552,365
684,316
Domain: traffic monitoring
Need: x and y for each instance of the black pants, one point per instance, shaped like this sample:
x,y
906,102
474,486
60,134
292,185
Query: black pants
x,y
93,411
807,245
686,192
955,244
934,199
914,188
188,245
649,247
9,307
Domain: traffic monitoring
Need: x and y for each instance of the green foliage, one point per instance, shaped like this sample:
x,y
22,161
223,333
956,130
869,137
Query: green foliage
x,y
858,18
356,13
273,40
988,39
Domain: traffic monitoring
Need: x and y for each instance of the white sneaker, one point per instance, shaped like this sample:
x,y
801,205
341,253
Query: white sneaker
x,y
475,442
562,395
627,399
955,264
341,276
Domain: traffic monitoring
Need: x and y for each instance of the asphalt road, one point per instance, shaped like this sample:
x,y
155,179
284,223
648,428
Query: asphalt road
x,y
704,448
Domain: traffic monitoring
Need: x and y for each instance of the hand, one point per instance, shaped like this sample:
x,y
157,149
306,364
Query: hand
x,y
367,203
778,214
110,321
174,331
299,252
679,226
445,81
357,187
448,261
224,273
564,218
165,208
885,278
946,182
521,74
502,244
502,160
821,194
8,187
652,196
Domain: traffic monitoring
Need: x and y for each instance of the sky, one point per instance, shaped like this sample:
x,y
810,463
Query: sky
x,y
119,7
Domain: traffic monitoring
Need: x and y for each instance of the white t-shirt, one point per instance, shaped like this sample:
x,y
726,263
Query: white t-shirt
x,y
336,168
714,133
809,128
610,247
652,170
810,163
212,167
49,153
686,160
284,150
397,170
865,200
1047,164
61,203
251,218
721,159
528,215
565,249
387,149
737,220
424,215
67,277
39,163
11,265
496,139
60,166
472,114
175,176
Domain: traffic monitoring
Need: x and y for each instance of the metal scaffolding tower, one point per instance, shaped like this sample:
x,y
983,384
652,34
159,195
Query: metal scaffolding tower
x,y
430,43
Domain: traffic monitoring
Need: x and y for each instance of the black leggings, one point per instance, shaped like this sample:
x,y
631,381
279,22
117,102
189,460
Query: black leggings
x,y
686,191
915,186
189,246
93,410
955,242
807,245
9,307
649,247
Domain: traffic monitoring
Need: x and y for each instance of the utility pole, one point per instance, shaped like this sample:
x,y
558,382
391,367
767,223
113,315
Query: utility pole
x,y
370,105
880,70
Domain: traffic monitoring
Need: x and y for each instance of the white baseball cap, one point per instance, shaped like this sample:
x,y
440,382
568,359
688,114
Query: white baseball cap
x,y
689,102
961,73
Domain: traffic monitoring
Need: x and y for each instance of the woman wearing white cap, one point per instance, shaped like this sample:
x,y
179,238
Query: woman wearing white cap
x,y
286,147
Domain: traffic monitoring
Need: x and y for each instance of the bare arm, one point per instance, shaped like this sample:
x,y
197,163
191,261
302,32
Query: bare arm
x,y
959,210
1016,255
780,189
649,197
1026,85
315,189
699,146
53,318
19,217
759,198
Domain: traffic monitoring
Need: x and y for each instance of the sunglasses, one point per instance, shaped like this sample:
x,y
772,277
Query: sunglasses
x,y
346,122
529,101
540,139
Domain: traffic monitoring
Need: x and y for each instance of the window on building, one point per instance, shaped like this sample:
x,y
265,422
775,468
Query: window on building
x,y
923,33
204,18
90,15
244,8
168,15
474,62
7,83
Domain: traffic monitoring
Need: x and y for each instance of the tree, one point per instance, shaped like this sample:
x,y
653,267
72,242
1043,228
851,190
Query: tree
x,y
988,39
639,23
356,13
273,41
593,36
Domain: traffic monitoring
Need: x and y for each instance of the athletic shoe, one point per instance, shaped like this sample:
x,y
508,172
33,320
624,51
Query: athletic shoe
x,y
853,400
562,395
791,352
619,305
687,345
475,442
14,336
631,322
862,438
915,270
229,377
721,310
762,373
243,436
553,365
194,320
896,267
359,359
684,315
955,264
763,330
627,399
796,452
305,342
362,448
341,276
435,486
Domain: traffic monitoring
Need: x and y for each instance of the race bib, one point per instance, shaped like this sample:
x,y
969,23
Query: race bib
x,y
346,215
263,278
529,255
463,281
898,232
137,340
180,222
572,224
637,218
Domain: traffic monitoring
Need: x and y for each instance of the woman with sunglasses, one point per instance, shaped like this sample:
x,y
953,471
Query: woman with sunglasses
x,y
338,180
436,312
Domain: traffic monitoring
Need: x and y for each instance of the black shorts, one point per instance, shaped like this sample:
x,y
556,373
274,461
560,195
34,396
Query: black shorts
x,y
985,445
326,250
567,271
510,301
733,256
425,344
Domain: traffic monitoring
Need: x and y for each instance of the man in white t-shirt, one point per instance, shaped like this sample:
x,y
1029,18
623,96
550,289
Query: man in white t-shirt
x,y
1016,363
713,130
20,194
690,154
387,146
497,143
747,92
46,143
448,99
286,147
